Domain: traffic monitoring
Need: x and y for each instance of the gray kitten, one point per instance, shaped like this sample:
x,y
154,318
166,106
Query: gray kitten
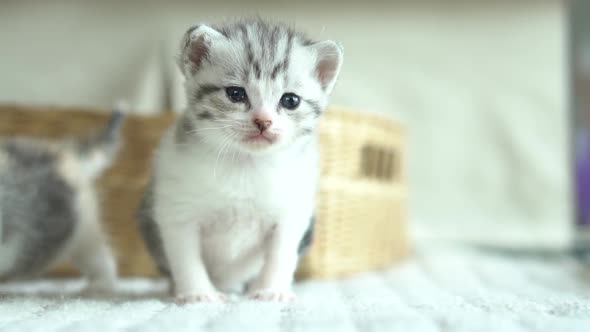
x,y
232,197
48,206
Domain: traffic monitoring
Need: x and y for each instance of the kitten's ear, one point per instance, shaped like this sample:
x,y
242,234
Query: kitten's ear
x,y
329,60
195,47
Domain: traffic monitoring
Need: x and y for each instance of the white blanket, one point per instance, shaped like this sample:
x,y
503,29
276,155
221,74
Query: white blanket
x,y
438,290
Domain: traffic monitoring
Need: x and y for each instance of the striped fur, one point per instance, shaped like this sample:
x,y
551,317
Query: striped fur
x,y
231,202
268,60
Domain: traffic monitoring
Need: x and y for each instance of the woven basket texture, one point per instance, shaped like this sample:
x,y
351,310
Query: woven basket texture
x,y
361,217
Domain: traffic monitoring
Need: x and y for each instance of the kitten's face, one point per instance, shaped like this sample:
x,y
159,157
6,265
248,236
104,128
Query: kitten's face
x,y
254,86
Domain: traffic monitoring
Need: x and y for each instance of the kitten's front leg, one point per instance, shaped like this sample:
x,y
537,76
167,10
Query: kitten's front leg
x,y
182,246
276,278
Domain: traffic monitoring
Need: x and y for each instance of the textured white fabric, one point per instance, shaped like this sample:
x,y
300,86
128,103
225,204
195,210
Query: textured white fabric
x,y
439,290
480,86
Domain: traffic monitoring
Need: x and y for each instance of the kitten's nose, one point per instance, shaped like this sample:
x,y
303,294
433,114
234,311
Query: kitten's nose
x,y
262,123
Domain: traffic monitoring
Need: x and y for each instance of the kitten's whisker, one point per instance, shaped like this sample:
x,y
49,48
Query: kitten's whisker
x,y
223,150
231,137
225,141
236,121
211,128
233,158
223,122
210,108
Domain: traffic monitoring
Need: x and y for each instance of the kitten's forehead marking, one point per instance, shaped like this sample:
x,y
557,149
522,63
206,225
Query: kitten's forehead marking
x,y
257,70
267,47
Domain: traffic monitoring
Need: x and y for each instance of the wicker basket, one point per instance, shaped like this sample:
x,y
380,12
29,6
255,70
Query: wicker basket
x,y
361,203
360,214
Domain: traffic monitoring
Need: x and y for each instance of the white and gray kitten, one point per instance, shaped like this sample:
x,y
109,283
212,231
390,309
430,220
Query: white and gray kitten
x,y
231,202
48,207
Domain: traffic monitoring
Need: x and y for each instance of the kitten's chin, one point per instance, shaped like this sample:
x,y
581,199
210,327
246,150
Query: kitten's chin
x,y
260,142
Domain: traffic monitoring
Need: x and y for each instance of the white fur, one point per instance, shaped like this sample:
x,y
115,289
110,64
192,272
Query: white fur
x,y
232,213
88,247
228,207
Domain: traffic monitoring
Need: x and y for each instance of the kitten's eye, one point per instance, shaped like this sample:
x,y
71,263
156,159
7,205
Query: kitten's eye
x,y
290,101
236,94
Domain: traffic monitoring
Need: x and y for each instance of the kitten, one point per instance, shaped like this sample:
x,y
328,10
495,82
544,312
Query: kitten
x,y
231,201
48,207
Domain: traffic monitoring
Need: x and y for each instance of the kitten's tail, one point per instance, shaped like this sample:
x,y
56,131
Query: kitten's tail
x,y
98,152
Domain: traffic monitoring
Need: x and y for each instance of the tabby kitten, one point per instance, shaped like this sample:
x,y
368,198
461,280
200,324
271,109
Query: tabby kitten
x,y
48,206
231,201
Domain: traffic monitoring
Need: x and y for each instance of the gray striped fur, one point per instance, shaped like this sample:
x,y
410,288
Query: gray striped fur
x,y
261,54
40,206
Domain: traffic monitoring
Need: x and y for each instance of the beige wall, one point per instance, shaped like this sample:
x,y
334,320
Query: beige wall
x,y
479,84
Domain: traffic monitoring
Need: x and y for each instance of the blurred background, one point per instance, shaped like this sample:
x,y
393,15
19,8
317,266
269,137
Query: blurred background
x,y
481,87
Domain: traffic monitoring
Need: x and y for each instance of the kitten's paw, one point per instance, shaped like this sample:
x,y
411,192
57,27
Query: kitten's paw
x,y
272,295
211,297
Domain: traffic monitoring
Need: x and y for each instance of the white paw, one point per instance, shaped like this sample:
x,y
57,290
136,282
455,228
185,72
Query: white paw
x,y
211,297
271,295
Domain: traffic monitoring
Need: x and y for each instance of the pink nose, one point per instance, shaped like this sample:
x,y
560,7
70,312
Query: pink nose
x,y
262,123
